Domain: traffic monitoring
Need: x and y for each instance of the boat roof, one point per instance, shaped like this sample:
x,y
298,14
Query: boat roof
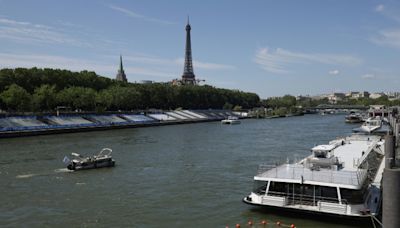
x,y
328,147
351,154
355,150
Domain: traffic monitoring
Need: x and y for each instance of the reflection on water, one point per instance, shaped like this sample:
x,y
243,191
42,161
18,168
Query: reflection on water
x,y
191,175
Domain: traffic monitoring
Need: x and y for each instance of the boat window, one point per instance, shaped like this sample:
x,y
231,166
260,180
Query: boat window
x,y
352,196
277,187
320,154
326,193
259,186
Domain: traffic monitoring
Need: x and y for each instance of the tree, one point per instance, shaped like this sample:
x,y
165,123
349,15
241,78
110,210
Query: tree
x,y
228,106
44,98
78,98
16,98
88,91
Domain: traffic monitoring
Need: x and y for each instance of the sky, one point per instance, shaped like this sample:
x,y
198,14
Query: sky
x,y
272,48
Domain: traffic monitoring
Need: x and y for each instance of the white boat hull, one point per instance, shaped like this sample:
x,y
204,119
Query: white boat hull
x,y
230,121
322,208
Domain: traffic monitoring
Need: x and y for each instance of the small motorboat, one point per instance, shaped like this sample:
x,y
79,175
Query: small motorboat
x,y
231,120
354,118
79,162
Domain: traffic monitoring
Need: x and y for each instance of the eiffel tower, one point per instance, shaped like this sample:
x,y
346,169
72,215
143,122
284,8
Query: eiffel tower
x,y
188,77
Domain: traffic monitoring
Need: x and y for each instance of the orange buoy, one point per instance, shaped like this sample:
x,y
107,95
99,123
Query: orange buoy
x,y
292,226
278,223
250,223
263,222
237,225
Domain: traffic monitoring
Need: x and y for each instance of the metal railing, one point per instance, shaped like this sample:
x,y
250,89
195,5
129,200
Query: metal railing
x,y
299,172
303,199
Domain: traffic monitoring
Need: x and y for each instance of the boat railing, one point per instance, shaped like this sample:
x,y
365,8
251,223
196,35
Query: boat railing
x,y
105,152
262,168
303,199
300,172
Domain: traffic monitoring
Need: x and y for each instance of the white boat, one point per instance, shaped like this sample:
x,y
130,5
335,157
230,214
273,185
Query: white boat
x,y
371,124
354,118
341,178
102,159
231,120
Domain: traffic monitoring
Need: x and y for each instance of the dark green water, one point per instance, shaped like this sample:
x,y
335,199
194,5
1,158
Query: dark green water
x,y
191,175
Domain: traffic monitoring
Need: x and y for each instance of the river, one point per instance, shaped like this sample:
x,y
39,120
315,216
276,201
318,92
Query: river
x,y
192,175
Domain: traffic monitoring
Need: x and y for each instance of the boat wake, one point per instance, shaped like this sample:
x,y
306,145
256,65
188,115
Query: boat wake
x,y
26,175
56,171
63,170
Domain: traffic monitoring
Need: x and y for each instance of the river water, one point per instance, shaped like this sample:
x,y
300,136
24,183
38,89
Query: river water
x,y
192,175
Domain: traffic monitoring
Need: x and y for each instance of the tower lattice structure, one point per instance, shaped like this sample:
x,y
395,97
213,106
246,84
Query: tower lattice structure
x,y
188,76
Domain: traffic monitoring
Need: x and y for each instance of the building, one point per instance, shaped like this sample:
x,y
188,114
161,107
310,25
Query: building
x,y
121,74
146,82
335,97
376,95
392,96
188,76
357,95
351,94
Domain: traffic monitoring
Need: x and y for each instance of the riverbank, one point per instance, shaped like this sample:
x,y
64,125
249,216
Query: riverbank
x,y
20,126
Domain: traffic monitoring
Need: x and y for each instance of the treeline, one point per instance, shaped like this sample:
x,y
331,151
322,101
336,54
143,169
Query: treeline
x,y
281,106
383,100
42,90
289,101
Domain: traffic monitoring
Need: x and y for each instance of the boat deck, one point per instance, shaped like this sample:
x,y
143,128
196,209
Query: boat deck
x,y
297,173
351,154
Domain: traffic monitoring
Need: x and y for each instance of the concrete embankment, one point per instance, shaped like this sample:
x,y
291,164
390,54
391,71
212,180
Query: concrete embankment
x,y
19,126
48,131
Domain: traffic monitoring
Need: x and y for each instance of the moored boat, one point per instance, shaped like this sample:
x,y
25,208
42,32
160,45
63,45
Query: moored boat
x,y
373,125
354,118
341,178
102,159
231,120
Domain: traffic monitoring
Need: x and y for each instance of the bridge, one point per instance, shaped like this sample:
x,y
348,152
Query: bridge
x,y
333,106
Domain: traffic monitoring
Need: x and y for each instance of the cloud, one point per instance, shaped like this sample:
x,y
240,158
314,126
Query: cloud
x,y
279,60
212,66
34,33
334,72
205,65
152,60
368,76
146,59
75,64
148,66
380,8
389,37
390,12
132,14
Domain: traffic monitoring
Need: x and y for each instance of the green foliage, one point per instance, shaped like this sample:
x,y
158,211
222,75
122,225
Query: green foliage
x,y
77,98
228,106
286,101
44,98
16,98
87,91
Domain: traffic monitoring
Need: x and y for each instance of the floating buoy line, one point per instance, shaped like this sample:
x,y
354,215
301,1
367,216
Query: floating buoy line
x,y
263,223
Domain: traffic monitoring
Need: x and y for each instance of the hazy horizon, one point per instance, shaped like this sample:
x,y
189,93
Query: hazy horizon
x,y
270,48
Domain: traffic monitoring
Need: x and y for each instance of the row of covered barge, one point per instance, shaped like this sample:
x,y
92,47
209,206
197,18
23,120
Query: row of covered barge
x,y
14,126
